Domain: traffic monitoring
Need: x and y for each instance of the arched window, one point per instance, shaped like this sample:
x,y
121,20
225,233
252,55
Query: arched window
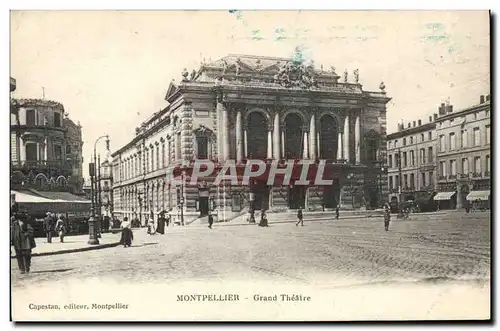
x,y
257,135
293,136
328,137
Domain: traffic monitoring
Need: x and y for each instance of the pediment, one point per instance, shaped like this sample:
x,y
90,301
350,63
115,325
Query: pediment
x,y
172,89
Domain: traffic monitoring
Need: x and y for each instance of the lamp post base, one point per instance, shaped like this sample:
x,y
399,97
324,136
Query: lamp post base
x,y
93,233
93,241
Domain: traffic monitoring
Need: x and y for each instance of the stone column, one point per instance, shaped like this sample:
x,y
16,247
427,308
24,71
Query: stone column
x,y
225,136
269,142
312,129
239,138
38,152
346,139
318,145
357,137
339,146
46,149
276,138
282,129
167,160
22,148
218,110
246,142
305,152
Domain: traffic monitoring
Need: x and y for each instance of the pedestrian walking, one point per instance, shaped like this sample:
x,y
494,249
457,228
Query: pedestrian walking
x,y
161,223
60,227
263,219
151,226
337,213
300,218
127,234
387,217
48,226
210,220
23,240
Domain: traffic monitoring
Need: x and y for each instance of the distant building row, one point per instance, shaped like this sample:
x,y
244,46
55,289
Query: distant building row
x,y
446,161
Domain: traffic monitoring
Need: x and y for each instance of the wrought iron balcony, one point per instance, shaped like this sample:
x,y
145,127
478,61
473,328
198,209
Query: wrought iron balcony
x,y
441,177
42,166
452,177
476,175
486,174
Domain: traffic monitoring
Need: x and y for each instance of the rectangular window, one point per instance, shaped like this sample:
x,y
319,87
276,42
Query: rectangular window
x,y
431,178
477,164
389,145
442,146
396,181
423,178
391,184
202,147
58,152
422,137
488,134
405,181
422,155
465,166
452,141
163,155
405,159
442,168
57,120
430,135
404,141
157,157
464,139
411,140
390,161
395,143
477,137
412,158
412,181
31,152
430,156
30,117
453,167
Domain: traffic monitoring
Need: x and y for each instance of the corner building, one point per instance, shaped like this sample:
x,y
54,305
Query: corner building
x,y
250,107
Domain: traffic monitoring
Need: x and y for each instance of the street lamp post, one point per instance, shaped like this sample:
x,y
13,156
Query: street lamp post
x,y
93,234
92,228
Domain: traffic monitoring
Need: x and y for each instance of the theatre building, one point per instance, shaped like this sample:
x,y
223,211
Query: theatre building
x,y
249,107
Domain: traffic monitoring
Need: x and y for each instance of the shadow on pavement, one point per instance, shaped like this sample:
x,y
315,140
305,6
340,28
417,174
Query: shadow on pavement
x,y
50,271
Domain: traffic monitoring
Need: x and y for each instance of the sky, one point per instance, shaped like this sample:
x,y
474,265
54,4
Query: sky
x,y
111,69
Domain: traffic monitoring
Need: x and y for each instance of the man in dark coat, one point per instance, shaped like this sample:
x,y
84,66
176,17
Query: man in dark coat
x,y
161,223
23,240
300,218
210,220
48,225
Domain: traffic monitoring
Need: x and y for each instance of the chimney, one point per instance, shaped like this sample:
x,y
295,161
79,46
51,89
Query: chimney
x,y
435,116
481,99
442,109
488,97
409,125
419,122
430,119
449,109
414,123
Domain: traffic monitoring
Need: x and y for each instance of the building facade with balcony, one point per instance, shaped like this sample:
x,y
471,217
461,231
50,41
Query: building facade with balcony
x,y
46,147
411,162
250,107
464,154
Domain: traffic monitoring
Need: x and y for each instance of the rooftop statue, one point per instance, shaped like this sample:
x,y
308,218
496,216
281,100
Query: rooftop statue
x,y
346,74
185,74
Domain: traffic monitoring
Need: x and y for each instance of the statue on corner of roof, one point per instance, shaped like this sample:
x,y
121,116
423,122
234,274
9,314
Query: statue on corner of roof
x,y
346,74
185,75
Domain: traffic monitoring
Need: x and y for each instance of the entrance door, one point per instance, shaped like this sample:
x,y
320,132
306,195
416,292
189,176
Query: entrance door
x,y
204,206
296,197
261,196
329,197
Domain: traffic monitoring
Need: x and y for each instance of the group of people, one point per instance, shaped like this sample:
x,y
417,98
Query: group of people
x,y
54,223
161,225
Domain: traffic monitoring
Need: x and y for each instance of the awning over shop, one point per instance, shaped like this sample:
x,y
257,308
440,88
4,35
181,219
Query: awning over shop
x,y
63,197
478,195
24,197
444,196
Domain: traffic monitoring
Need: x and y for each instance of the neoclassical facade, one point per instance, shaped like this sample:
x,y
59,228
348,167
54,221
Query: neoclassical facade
x,y
249,107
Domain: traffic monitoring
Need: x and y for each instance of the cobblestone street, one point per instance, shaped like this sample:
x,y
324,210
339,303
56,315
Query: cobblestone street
x,y
324,254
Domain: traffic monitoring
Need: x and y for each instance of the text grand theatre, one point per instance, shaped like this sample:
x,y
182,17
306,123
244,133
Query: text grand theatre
x,y
243,108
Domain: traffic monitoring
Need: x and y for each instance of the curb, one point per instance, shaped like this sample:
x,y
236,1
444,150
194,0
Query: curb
x,y
294,221
74,250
